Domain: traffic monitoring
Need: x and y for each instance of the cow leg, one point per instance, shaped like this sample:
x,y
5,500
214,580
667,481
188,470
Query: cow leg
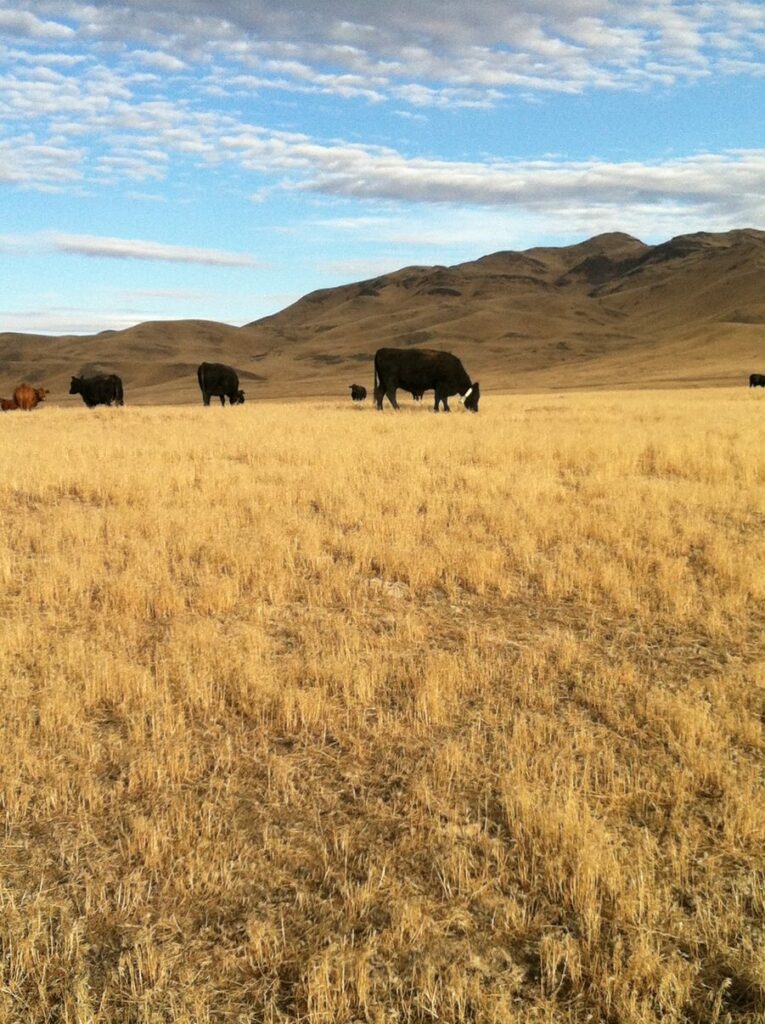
x,y
392,398
222,399
205,398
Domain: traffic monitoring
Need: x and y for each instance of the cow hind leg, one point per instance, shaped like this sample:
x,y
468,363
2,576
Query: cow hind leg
x,y
391,395
222,399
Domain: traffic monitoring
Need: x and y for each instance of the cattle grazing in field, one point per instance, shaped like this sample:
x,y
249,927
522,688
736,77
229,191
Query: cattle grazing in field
x,y
221,380
358,393
422,369
7,403
28,398
757,380
103,389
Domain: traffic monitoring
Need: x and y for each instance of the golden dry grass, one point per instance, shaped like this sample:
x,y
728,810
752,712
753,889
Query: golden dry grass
x,y
315,714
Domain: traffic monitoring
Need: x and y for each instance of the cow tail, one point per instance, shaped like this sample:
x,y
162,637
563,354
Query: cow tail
x,y
377,383
120,393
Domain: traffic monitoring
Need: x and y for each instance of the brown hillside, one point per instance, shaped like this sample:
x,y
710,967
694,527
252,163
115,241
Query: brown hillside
x,y
609,311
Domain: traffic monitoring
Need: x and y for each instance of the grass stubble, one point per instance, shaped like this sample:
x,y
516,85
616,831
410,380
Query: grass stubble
x,y
314,714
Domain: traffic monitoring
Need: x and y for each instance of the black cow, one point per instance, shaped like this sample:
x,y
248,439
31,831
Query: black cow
x,y
358,393
221,380
757,380
421,369
103,389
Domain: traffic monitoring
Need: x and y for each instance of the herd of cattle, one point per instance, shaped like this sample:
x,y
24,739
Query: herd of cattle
x,y
415,370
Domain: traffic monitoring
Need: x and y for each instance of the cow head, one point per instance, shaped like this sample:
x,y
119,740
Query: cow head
x,y
471,397
75,388
238,398
41,393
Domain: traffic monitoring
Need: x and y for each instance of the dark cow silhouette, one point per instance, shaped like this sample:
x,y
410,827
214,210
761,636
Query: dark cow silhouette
x,y
221,380
358,393
421,369
102,389
757,380
28,398
7,403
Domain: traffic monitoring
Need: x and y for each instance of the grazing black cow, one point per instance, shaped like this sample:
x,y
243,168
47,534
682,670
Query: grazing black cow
x,y
103,389
421,369
757,380
221,380
358,393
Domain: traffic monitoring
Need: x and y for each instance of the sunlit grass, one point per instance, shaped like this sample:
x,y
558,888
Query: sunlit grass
x,y
314,713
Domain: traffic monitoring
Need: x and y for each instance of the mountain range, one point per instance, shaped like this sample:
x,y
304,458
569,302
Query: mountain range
x,y
608,312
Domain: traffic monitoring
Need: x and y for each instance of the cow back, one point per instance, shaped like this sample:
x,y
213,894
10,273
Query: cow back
x,y
26,397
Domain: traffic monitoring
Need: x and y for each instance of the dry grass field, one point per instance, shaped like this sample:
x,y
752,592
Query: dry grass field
x,y
315,714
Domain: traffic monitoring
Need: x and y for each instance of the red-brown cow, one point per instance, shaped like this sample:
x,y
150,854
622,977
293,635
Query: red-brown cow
x,y
7,403
27,397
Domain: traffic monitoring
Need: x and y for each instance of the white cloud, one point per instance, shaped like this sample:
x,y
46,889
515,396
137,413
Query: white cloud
x,y
734,181
158,59
357,269
404,46
137,249
27,25
59,320
104,247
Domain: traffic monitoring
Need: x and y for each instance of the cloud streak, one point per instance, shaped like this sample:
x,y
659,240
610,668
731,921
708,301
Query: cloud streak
x,y
734,179
104,247
99,247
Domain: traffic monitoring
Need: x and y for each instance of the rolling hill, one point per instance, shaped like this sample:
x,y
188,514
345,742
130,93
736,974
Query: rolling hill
x,y
610,311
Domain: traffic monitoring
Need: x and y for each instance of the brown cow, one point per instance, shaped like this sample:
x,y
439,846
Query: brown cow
x,y
7,403
27,397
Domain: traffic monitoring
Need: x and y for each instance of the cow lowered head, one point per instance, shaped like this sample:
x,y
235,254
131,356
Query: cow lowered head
x,y
220,381
101,389
418,370
471,397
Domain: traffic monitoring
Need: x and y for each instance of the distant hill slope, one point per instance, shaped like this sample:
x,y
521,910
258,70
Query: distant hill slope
x,y
610,311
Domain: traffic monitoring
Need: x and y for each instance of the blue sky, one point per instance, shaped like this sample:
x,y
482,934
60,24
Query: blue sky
x,y
221,160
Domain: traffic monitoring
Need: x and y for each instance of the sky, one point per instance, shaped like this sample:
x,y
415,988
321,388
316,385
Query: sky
x,y
193,159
